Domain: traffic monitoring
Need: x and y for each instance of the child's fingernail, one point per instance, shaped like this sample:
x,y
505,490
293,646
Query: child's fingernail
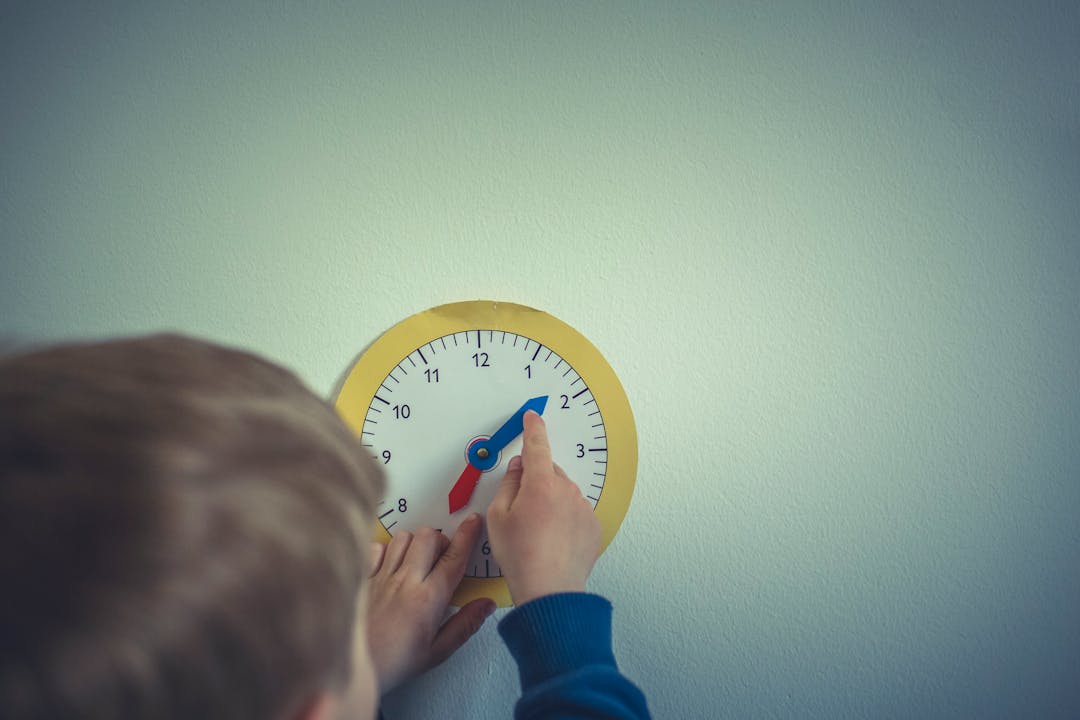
x,y
489,607
473,518
515,463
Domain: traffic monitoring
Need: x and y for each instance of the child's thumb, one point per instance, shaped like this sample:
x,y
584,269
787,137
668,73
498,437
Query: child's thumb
x,y
511,483
456,631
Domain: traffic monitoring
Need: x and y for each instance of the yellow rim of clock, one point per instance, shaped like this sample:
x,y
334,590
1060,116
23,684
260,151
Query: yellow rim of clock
x,y
362,381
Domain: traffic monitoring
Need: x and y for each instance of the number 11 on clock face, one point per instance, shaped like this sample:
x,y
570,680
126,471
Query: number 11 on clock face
x,y
452,404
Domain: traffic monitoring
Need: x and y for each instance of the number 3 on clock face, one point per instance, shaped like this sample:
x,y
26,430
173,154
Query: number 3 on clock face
x,y
442,391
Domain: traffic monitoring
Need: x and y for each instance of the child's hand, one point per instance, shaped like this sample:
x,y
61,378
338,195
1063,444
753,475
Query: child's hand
x,y
412,580
543,531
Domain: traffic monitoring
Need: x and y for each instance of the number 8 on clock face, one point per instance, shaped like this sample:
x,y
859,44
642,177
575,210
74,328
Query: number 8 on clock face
x,y
438,402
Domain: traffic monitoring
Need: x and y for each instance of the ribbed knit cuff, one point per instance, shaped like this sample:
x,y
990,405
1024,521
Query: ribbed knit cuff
x,y
557,634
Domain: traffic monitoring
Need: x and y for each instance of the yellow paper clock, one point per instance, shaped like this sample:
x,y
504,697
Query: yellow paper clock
x,y
438,400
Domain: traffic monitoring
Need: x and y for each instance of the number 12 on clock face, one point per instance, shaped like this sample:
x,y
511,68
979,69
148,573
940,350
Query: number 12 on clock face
x,y
456,402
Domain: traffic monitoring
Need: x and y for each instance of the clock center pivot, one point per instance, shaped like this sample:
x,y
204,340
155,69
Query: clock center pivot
x,y
479,455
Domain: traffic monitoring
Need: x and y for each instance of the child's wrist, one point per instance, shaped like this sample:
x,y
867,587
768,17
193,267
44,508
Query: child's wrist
x,y
527,592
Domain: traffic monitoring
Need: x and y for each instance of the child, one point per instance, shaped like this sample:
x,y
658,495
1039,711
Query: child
x,y
184,533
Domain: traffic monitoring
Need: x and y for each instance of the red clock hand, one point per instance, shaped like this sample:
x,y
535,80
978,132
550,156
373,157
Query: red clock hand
x,y
483,453
463,488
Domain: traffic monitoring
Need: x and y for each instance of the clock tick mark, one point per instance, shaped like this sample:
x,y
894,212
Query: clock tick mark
x,y
536,353
386,513
384,402
575,382
580,392
421,353
598,487
568,369
550,353
589,402
411,361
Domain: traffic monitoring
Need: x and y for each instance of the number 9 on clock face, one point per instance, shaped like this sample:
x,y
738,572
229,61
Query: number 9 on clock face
x,y
444,391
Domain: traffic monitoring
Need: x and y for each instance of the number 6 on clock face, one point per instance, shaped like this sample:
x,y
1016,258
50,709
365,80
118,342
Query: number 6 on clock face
x,y
445,390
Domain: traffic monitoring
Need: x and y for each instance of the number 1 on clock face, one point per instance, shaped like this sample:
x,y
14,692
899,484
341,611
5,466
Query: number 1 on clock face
x,y
459,389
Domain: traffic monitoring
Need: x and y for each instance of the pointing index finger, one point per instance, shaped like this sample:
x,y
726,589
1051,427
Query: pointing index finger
x,y
536,453
450,567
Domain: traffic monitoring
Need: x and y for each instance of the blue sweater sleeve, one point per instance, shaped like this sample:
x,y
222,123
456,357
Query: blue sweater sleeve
x,y
562,644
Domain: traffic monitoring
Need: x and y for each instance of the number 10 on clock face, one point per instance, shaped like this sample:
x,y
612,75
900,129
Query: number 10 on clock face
x,y
453,394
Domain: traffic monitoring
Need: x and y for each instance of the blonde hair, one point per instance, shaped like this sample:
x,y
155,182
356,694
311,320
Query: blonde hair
x,y
183,533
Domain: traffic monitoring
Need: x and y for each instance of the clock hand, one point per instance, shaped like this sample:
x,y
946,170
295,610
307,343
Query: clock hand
x,y
512,427
483,454
463,488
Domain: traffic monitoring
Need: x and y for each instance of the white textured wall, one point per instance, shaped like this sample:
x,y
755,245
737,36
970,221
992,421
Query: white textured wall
x,y
834,255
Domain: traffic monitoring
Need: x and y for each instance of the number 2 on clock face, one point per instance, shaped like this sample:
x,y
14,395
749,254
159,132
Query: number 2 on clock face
x,y
460,388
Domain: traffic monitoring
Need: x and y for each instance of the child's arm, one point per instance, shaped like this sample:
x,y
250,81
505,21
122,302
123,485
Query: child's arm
x,y
546,538
562,644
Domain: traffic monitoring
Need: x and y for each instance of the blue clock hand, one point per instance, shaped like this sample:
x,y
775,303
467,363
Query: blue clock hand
x,y
484,454
512,427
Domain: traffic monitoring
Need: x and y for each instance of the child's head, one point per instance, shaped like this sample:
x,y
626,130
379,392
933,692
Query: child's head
x,y
183,533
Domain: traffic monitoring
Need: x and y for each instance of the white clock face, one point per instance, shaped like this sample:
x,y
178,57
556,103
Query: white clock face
x,y
459,388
